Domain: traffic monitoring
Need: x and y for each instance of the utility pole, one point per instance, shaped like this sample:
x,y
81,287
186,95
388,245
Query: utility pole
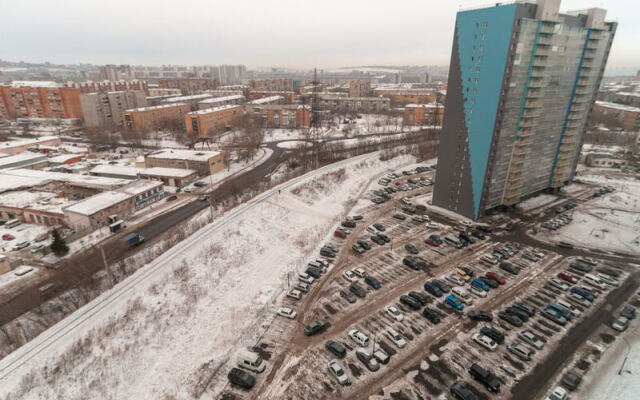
x,y
106,267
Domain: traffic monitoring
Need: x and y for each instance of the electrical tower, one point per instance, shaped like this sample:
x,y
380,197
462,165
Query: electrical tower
x,y
315,126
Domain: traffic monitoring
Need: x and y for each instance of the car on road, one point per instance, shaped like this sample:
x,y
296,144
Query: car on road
x,y
558,393
485,341
20,245
348,296
432,225
485,377
558,284
350,276
395,338
565,245
531,338
287,312
410,302
430,288
357,290
373,282
480,284
411,248
336,348
567,277
460,392
394,313
338,372
620,324
204,197
431,315
368,360
571,380
455,279
241,378
294,294
496,277
360,338
479,315
519,350
510,268
172,198
454,303
554,316
315,327
510,318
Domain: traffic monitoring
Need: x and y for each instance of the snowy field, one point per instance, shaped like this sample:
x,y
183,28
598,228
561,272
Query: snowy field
x,y
164,337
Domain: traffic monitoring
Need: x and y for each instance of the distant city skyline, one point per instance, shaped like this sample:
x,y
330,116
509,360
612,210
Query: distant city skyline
x,y
284,33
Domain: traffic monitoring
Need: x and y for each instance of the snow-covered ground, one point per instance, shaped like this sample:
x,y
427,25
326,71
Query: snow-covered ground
x,y
22,232
192,307
537,201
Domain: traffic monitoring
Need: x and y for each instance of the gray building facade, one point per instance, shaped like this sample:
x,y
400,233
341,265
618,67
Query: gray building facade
x,y
105,109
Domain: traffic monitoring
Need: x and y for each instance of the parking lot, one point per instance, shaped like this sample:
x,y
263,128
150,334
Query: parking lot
x,y
415,353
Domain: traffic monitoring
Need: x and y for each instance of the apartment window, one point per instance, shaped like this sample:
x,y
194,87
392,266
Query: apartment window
x,y
481,47
479,58
483,36
484,25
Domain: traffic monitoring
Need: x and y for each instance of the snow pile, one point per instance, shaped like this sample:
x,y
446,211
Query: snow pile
x,y
166,337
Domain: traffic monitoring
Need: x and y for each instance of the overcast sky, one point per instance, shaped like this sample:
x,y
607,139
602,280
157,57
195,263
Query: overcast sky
x,y
290,33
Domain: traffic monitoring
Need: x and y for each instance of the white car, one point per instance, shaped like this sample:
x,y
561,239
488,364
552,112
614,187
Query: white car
x,y
350,276
587,260
579,300
394,313
487,259
468,224
395,338
477,291
36,248
462,295
371,229
359,337
531,338
360,272
574,311
338,372
287,312
485,341
21,245
303,287
294,294
558,394
620,324
455,279
558,284
432,225
536,253
406,201
306,278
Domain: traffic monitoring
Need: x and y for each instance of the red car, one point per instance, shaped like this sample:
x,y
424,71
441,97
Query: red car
x,y
6,236
567,277
398,183
432,242
340,234
495,277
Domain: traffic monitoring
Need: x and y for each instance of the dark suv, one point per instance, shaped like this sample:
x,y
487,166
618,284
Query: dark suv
x,y
485,377
336,348
315,327
460,392
410,302
241,378
431,315
422,298
493,333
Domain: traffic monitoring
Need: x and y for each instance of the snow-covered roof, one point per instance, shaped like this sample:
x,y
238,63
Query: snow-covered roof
x,y
171,172
26,142
133,172
187,98
428,105
222,99
34,200
61,159
181,154
24,158
617,106
42,177
214,109
266,100
99,202
140,186
150,108
35,84
115,170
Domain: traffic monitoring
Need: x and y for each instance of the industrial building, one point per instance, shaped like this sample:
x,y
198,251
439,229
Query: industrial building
x,y
203,162
522,83
626,116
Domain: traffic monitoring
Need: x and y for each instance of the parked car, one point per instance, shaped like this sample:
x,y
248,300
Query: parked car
x,y
241,378
567,277
20,245
489,260
454,303
368,360
494,276
348,224
531,338
410,302
287,312
419,297
361,272
583,293
571,380
485,377
510,318
565,245
377,240
432,242
455,279
462,274
620,324
336,348
558,393
554,316
479,315
315,327
519,350
480,284
581,267
460,391
485,341
373,282
477,291
628,312
381,356
379,227
37,248
339,233
364,244
558,284
524,317
357,290
348,296
429,287
411,248
306,278
350,276
510,268
338,372
530,310
360,338
563,311
493,333
294,294
577,299
394,313
444,288
395,338
431,315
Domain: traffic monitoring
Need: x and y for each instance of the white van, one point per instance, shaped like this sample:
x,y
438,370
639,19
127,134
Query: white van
x,y
251,361
453,241
12,223
463,295
595,281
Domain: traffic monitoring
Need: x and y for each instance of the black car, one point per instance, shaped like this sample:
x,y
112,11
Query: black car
x,y
467,270
581,266
348,224
531,310
485,229
172,198
565,245
485,377
327,253
409,210
315,327
373,282
411,263
476,233
510,268
377,240
421,208
384,237
628,312
364,244
356,217
348,296
460,392
399,216
313,271
411,248
410,302
523,315
466,237
442,285
241,378
431,315
336,348
510,318
489,282
357,290
478,315
609,271
505,254
493,333
422,298
571,380
379,227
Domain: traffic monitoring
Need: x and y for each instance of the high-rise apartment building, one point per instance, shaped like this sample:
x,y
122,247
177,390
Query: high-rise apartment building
x,y
39,99
522,82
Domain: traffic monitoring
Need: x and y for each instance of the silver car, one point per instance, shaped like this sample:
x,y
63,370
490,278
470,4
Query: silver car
x,y
531,338
338,372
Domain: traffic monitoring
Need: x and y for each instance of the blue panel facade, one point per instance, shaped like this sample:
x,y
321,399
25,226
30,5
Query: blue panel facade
x,y
483,45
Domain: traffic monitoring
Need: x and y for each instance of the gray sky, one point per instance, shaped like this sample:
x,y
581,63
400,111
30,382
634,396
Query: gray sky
x,y
290,33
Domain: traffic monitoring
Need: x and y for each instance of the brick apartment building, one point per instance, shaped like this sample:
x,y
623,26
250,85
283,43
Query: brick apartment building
x,y
154,91
109,86
628,117
192,100
360,89
188,85
105,109
288,97
151,118
277,85
39,100
423,114
282,115
211,121
402,97
237,99
354,104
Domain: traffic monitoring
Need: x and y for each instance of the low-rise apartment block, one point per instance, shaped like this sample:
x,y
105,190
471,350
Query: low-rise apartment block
x,y
211,121
152,118
267,100
400,97
284,84
289,97
203,162
626,116
39,100
354,104
237,99
155,91
192,100
360,89
423,114
106,108
189,85
282,115
108,86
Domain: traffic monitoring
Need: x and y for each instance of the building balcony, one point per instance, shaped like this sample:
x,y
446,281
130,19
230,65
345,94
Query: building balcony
x,y
597,35
517,166
511,198
525,132
535,91
544,51
523,142
527,123
532,104
538,72
574,115
582,90
546,28
544,40
531,113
